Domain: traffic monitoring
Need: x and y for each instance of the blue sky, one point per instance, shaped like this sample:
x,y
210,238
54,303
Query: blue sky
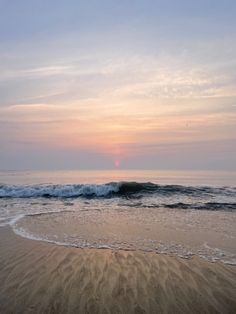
x,y
149,83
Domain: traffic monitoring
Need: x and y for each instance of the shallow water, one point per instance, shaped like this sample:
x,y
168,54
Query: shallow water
x,y
181,213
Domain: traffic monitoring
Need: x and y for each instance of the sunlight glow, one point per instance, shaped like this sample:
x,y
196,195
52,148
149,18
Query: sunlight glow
x,y
117,163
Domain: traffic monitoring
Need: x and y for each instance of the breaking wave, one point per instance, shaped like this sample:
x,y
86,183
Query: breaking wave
x,y
112,189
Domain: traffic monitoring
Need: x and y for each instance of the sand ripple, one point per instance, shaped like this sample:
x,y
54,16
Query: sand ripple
x,y
37,277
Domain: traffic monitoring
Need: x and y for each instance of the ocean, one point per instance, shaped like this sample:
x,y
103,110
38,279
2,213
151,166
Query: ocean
x,y
183,213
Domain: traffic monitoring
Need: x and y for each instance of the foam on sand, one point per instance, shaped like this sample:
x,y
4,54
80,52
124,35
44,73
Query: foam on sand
x,y
37,277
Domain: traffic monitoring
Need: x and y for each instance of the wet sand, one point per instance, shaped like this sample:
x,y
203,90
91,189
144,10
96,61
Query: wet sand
x,y
37,277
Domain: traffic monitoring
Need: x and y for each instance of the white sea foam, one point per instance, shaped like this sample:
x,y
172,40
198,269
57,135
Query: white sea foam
x,y
174,208
70,190
170,249
28,235
52,228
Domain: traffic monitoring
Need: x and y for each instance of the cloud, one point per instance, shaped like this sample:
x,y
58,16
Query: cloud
x,y
117,84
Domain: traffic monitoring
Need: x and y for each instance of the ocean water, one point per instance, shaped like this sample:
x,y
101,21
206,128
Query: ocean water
x,y
171,212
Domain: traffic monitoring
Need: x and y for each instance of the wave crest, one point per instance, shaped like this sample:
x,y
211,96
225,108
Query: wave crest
x,y
107,190
57,191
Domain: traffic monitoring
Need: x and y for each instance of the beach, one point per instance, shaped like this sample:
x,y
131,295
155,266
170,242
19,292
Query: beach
x,y
118,157
126,242
39,277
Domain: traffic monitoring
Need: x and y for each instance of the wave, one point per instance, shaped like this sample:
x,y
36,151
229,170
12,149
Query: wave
x,y
108,190
203,206
214,206
57,191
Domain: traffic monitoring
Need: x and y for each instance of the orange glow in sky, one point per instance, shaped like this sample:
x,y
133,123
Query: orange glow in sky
x,y
155,96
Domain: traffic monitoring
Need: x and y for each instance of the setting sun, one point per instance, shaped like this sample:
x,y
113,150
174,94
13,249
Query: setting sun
x,y
117,163
117,156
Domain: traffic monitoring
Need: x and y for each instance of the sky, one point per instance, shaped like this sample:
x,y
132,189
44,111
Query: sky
x,y
102,84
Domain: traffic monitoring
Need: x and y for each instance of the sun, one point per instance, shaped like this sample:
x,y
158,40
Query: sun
x,y
117,163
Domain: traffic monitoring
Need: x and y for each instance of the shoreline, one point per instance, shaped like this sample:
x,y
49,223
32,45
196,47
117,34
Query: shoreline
x,y
38,277
174,232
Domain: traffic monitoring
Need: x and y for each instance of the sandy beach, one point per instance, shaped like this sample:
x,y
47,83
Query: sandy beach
x,y
37,277
117,157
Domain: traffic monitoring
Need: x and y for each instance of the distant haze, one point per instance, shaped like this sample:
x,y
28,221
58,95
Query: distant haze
x,y
105,84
